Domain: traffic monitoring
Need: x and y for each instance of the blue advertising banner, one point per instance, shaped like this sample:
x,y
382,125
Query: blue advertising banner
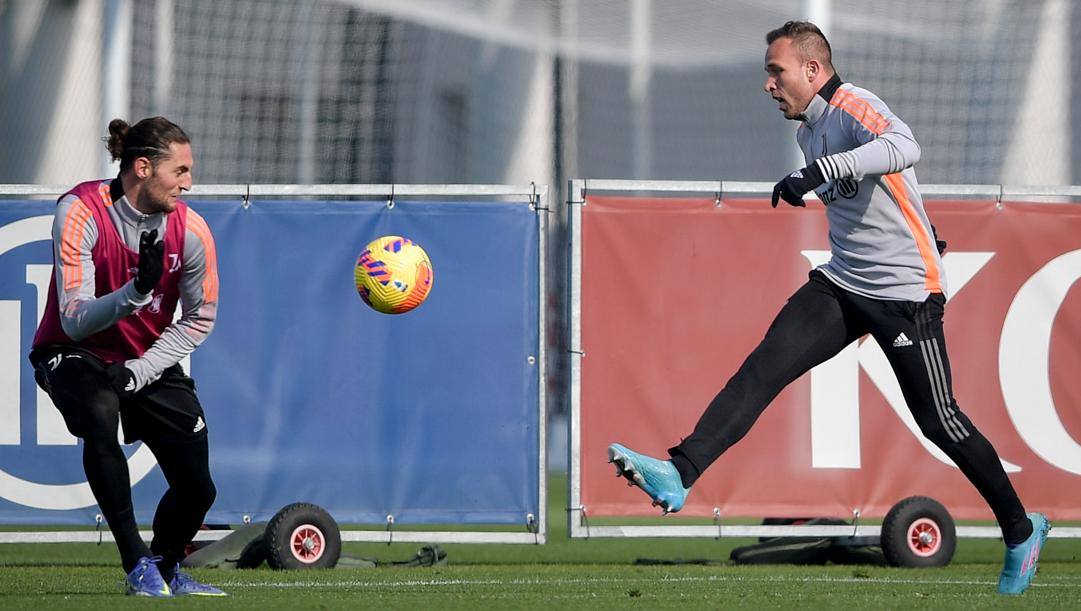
x,y
430,416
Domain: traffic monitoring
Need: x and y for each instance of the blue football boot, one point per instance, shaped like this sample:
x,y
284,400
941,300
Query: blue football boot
x,y
658,478
145,579
1022,559
183,584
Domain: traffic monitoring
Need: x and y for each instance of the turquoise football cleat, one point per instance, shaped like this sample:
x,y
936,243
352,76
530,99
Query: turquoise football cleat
x,y
145,580
658,478
183,584
1023,558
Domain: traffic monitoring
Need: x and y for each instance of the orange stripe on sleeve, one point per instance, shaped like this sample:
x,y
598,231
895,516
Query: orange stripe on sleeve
x,y
865,115
870,114
106,195
71,267
860,110
199,227
896,186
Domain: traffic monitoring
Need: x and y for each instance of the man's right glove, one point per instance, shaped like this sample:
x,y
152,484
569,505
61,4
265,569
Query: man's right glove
x,y
151,253
121,379
792,187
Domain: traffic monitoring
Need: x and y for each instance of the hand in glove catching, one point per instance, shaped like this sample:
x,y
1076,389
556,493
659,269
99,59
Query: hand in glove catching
x,y
151,253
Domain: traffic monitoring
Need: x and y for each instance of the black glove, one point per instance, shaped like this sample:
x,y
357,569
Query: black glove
x,y
939,244
121,379
792,187
151,253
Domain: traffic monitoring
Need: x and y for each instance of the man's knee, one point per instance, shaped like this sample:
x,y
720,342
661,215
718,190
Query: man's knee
x,y
79,390
197,489
943,429
95,416
206,495
936,434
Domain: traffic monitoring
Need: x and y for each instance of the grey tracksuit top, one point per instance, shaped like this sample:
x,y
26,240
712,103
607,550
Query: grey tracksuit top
x,y
82,313
881,240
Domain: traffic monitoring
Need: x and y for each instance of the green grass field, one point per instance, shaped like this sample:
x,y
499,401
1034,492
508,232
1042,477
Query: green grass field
x,y
580,574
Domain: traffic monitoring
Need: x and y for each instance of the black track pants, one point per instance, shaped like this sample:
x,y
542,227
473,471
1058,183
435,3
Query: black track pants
x,y
816,323
167,416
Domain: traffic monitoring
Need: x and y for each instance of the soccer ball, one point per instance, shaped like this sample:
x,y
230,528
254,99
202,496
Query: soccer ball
x,y
393,274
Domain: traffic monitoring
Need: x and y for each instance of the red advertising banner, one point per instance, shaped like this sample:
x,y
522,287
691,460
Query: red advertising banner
x,y
676,292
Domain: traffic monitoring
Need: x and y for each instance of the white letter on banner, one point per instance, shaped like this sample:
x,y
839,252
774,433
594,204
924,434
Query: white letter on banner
x,y
835,410
13,235
10,361
835,402
1024,361
14,488
51,427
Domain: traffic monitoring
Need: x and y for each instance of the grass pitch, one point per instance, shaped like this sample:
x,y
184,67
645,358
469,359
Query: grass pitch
x,y
563,574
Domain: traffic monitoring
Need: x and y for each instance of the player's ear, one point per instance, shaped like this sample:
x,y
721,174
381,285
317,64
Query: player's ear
x,y
143,168
811,69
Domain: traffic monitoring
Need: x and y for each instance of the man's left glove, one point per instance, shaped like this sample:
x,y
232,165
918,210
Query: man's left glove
x,y
792,187
121,379
150,267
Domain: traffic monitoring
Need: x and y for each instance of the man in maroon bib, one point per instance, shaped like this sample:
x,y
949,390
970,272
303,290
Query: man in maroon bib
x,y
126,253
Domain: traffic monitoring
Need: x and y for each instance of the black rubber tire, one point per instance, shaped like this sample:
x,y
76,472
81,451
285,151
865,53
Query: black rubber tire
x,y
303,536
902,529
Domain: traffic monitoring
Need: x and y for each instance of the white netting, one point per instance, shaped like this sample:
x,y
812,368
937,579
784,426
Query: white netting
x,y
959,74
536,90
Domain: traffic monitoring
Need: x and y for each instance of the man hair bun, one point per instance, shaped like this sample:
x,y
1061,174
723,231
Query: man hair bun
x,y
118,132
151,138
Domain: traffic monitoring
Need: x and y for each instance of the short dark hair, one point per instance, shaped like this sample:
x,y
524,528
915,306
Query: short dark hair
x,y
810,40
149,138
